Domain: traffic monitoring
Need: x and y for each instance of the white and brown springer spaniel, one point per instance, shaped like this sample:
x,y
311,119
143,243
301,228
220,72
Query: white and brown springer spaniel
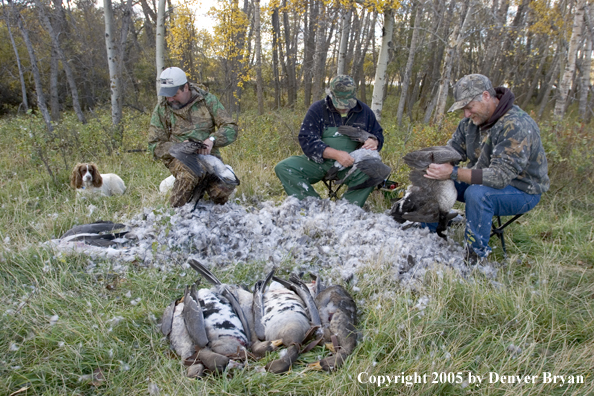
x,y
86,179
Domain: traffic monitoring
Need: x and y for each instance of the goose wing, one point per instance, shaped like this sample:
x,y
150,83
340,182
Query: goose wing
x,y
421,159
194,317
258,305
93,228
355,134
186,152
375,169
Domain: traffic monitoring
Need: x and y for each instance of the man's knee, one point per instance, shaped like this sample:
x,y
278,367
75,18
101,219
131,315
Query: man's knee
x,y
475,194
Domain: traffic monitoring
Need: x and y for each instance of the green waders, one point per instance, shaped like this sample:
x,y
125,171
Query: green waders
x,y
298,173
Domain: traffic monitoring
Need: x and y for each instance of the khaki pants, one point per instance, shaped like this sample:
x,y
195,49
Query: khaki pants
x,y
187,185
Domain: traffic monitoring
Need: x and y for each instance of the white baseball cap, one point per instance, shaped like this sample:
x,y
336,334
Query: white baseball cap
x,y
171,79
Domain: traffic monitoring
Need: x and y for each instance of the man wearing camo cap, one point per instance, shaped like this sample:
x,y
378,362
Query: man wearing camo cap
x,y
507,167
323,145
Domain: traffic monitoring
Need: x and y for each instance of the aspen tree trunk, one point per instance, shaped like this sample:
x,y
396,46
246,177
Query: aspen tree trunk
x,y
34,68
537,75
319,66
549,86
377,99
576,35
585,79
24,102
455,46
258,57
149,20
409,64
112,61
53,87
60,54
345,29
275,60
290,53
308,53
160,42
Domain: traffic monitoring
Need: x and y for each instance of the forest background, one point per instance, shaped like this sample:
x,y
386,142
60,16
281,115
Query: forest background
x,y
80,84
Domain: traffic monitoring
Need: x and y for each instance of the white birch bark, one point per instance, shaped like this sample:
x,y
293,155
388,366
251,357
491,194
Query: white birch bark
x,y
377,98
160,42
34,68
258,49
318,78
345,30
576,35
24,102
409,64
585,79
112,61
65,65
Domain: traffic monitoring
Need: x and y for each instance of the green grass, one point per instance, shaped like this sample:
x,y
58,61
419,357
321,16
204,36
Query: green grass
x,y
537,316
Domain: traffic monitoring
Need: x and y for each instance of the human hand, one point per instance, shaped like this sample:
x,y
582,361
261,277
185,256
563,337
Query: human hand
x,y
344,159
209,143
370,144
439,171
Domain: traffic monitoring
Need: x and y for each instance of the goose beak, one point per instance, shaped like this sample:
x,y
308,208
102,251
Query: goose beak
x,y
330,347
276,343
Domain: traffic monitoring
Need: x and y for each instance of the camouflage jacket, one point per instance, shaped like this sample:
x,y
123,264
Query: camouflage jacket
x,y
509,153
198,120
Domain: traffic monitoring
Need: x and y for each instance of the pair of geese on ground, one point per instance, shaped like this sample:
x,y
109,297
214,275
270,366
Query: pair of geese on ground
x,y
426,200
210,329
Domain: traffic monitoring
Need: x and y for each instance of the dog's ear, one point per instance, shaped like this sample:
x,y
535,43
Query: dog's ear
x,y
75,177
97,179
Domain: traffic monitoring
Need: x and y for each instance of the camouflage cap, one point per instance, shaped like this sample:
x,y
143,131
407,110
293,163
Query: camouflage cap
x,y
468,88
342,92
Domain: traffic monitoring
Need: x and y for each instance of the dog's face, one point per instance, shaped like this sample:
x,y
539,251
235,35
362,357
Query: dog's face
x,y
85,175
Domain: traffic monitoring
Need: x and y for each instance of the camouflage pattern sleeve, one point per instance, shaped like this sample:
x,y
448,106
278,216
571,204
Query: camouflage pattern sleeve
x,y
517,156
458,141
226,128
158,135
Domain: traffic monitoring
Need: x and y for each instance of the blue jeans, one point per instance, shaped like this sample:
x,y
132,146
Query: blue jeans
x,y
482,203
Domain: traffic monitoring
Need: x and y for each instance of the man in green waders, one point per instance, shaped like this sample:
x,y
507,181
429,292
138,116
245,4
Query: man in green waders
x,y
323,145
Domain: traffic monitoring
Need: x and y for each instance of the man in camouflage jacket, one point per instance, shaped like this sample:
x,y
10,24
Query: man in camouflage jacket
x,y
188,111
507,166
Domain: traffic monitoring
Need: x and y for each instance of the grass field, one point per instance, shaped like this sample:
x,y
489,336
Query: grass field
x,y
65,332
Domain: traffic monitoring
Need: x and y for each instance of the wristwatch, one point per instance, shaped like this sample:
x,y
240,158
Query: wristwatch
x,y
212,138
454,174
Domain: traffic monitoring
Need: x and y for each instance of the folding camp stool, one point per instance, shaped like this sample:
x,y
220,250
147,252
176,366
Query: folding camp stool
x,y
498,230
333,189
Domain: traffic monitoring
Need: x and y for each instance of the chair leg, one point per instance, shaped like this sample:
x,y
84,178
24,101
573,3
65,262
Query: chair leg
x,y
499,230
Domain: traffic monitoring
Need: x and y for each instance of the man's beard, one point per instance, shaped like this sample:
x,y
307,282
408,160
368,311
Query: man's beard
x,y
175,105
480,118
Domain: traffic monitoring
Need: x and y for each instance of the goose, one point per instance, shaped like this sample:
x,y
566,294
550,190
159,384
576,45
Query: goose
x,y
281,315
100,233
338,314
203,166
428,200
206,327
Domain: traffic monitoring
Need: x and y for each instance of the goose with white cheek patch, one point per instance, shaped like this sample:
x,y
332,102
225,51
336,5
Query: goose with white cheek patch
x,y
280,315
428,200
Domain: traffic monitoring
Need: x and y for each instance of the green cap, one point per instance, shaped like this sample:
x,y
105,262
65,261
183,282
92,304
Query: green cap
x,y
342,92
468,88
